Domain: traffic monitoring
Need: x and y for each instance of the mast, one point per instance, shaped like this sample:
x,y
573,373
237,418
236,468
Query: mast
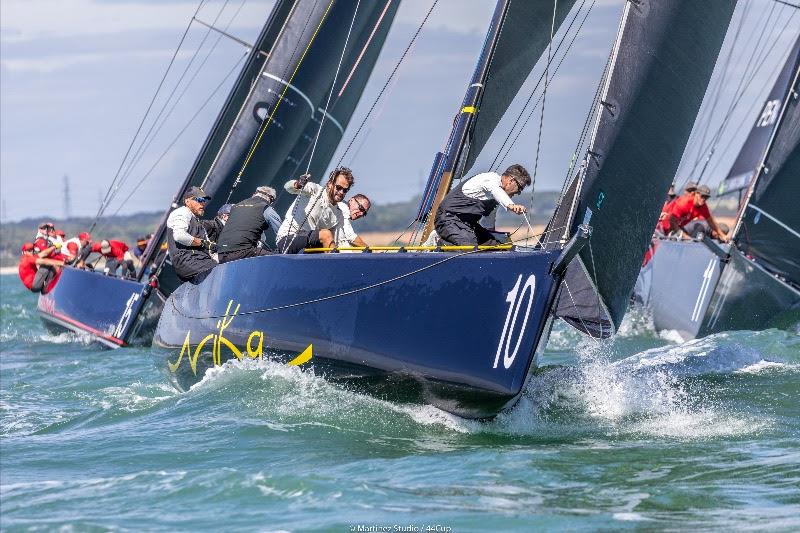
x,y
459,135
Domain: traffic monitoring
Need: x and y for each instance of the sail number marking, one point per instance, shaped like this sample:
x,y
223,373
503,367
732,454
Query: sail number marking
x,y
515,299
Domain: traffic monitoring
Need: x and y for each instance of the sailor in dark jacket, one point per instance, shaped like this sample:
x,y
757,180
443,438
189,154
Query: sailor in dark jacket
x,y
459,214
188,239
247,221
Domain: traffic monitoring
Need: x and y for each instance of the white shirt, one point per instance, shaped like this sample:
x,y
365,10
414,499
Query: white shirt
x,y
486,186
178,222
313,208
345,235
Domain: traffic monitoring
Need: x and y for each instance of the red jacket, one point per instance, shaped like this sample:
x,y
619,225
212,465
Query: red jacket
x,y
118,249
684,210
27,269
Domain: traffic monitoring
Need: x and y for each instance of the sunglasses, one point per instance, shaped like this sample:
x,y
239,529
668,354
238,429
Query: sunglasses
x,y
200,200
340,188
362,208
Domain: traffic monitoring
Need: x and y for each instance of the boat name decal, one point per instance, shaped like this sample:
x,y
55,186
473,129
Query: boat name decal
x,y
254,347
514,298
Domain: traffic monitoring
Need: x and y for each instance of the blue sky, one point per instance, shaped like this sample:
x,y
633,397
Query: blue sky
x,y
76,77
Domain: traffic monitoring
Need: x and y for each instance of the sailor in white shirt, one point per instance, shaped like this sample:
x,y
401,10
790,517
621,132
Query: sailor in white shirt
x,y
355,208
459,214
312,218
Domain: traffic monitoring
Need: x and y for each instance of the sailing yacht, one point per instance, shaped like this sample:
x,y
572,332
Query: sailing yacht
x,y
279,98
461,328
700,288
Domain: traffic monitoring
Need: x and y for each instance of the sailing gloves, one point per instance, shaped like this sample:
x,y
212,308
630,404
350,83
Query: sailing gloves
x,y
300,182
211,246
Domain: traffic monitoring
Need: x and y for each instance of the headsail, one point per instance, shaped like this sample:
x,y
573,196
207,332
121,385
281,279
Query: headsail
x,y
769,229
662,62
746,164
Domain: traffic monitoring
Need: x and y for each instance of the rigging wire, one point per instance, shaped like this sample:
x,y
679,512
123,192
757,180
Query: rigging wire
x,y
544,103
181,132
321,122
536,87
147,142
752,67
265,124
536,104
388,80
103,204
734,104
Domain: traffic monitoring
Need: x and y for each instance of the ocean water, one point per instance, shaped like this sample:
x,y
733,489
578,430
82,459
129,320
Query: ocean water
x,y
640,433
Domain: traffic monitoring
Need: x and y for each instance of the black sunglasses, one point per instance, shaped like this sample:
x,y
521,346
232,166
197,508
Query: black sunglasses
x,y
340,188
361,206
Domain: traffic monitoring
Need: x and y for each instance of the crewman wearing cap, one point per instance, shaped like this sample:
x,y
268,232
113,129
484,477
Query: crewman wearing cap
x,y
691,207
248,219
36,271
459,214
188,239
117,254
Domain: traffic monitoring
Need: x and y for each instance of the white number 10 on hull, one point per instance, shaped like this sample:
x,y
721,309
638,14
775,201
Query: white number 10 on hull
x,y
515,297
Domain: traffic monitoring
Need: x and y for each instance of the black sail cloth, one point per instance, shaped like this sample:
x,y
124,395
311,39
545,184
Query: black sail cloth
x,y
770,226
664,58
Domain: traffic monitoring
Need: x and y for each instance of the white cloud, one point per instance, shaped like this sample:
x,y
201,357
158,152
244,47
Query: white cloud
x,y
28,20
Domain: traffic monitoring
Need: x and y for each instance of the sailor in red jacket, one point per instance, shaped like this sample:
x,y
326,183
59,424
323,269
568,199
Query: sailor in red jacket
x,y
116,254
36,271
689,207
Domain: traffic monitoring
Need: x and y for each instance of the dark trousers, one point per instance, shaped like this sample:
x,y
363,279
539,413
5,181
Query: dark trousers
x,y
44,275
127,267
455,231
294,244
225,257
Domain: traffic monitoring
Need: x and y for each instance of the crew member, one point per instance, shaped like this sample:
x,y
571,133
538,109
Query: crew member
x,y
459,214
689,207
84,250
141,245
312,218
223,213
248,219
187,237
117,254
36,271
355,208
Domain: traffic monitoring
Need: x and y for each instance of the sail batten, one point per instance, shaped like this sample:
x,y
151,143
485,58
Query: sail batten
x,y
665,54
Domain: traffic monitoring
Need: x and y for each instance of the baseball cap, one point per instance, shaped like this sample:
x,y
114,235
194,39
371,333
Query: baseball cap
x,y
703,190
105,247
60,233
195,192
690,186
27,247
84,236
225,209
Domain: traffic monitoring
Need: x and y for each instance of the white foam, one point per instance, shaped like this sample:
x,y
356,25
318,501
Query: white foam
x,y
765,366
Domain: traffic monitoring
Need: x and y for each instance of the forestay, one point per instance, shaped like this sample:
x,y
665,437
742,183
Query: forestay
x,y
661,64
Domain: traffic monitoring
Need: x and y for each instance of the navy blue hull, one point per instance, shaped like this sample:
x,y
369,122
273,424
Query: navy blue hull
x,y
459,331
104,307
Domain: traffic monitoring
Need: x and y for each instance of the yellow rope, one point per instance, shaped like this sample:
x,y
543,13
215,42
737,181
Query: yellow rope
x,y
285,88
499,248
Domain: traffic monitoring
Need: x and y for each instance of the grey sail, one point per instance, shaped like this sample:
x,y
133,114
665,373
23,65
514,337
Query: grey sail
x,y
662,62
746,164
769,230
523,38
302,41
